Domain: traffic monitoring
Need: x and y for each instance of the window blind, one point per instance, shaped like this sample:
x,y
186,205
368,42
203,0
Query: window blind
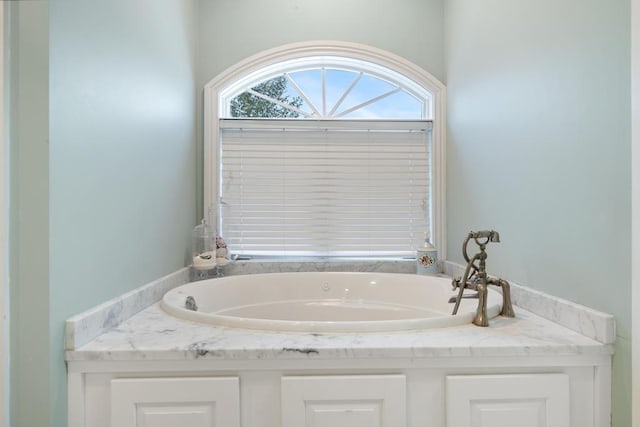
x,y
326,188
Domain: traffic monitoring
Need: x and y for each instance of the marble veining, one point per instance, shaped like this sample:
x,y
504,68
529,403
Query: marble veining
x,y
258,266
86,326
154,335
584,320
544,326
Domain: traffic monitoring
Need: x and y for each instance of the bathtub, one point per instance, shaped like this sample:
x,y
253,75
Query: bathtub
x,y
324,302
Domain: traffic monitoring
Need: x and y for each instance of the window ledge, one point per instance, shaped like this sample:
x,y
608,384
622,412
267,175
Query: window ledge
x,y
284,265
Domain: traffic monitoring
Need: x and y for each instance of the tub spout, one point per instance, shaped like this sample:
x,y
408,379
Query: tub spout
x,y
475,278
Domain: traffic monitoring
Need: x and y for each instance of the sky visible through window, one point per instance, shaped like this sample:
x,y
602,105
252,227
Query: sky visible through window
x,y
347,95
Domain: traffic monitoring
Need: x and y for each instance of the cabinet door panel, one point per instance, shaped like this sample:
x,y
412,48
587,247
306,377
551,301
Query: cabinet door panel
x,y
166,415
169,402
344,414
533,400
344,401
528,413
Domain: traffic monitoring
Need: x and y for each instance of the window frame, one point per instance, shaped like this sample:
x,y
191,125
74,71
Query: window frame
x,y
328,62
217,90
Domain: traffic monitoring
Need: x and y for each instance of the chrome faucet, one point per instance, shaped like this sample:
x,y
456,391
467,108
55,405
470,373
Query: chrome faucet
x,y
475,278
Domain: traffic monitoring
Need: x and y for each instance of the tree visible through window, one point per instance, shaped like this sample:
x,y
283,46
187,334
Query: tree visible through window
x,y
266,100
328,93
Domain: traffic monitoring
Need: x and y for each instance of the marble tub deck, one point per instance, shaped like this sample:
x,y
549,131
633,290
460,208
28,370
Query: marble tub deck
x,y
154,335
133,327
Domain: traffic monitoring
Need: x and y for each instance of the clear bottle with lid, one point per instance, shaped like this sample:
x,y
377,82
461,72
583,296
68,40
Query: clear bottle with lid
x,y
203,245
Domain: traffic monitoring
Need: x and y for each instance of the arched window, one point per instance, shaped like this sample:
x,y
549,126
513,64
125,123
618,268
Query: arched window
x,y
330,88
325,150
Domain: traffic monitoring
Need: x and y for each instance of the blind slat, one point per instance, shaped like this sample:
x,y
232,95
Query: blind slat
x,y
326,190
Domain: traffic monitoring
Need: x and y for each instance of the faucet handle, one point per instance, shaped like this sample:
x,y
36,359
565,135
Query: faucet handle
x,y
490,235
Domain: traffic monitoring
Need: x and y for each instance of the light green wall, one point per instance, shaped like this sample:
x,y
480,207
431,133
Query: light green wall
x,y
231,30
538,146
122,155
539,134
539,149
29,213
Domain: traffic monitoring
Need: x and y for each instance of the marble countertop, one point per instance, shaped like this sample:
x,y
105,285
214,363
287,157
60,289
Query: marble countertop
x,y
133,327
152,334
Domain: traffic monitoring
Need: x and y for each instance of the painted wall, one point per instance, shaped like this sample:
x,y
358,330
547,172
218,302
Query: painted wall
x,y
122,155
29,213
539,137
231,30
635,209
539,149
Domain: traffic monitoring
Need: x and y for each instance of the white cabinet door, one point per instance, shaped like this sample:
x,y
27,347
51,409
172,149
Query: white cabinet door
x,y
170,402
344,401
532,400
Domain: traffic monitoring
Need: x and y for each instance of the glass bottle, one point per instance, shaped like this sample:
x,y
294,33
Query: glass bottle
x,y
203,245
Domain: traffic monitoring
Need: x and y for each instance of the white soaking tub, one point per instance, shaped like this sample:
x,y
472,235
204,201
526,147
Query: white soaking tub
x,y
325,302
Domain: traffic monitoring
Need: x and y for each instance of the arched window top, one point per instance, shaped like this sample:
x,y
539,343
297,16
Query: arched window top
x,y
328,87
336,69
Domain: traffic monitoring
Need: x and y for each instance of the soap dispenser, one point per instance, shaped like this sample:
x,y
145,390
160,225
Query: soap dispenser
x,y
427,258
203,244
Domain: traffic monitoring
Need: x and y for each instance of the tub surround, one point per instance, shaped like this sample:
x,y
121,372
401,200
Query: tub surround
x,y
154,335
584,320
86,326
115,328
278,266
151,358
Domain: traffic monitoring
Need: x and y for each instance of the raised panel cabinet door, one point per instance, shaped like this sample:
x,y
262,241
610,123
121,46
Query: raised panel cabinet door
x,y
344,401
170,402
527,400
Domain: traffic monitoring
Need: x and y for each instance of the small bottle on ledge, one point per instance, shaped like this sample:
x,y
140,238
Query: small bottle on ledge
x,y
203,243
427,258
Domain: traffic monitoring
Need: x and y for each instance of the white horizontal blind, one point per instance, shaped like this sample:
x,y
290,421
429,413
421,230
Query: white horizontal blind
x,y
324,189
